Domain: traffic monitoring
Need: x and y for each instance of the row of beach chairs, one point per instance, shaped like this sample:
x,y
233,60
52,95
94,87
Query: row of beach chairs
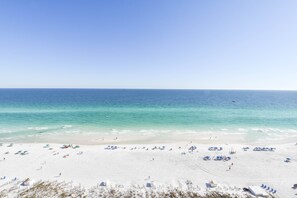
x,y
217,158
268,189
263,149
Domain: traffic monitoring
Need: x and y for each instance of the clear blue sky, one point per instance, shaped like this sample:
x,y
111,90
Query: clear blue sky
x,y
247,44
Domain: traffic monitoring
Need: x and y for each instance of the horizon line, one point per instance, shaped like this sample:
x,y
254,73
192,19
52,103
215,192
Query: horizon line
x,y
193,89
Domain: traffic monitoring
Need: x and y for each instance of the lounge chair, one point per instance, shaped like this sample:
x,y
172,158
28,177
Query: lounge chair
x,y
26,182
257,149
227,158
24,153
212,184
148,185
218,158
212,148
103,184
206,158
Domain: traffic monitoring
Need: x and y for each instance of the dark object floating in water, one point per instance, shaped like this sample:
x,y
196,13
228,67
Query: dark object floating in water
x,y
233,101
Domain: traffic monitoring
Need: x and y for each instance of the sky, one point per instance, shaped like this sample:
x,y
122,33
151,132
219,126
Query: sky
x,y
155,44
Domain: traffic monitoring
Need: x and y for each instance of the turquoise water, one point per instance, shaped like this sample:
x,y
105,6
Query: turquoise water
x,y
25,112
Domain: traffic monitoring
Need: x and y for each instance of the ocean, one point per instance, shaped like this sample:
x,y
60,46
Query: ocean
x,y
32,112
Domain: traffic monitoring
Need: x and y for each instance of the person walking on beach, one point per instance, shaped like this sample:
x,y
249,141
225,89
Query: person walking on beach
x,y
60,174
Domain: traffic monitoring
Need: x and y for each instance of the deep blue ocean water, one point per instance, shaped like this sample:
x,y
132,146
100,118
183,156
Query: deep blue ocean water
x,y
35,111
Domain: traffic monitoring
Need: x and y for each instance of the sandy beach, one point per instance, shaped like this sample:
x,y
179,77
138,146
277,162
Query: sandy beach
x,y
231,166
148,99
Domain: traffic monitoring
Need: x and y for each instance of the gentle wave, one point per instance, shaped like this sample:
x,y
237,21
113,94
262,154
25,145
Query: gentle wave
x,y
39,131
37,128
67,126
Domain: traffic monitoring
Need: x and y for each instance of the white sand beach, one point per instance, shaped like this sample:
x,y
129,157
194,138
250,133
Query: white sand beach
x,y
148,99
170,164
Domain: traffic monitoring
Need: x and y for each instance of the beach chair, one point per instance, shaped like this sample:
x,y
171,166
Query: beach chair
x,y
212,148
149,185
227,158
206,158
103,184
268,188
24,153
218,158
26,182
212,184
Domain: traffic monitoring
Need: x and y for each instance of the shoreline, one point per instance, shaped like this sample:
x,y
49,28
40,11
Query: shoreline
x,y
155,138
